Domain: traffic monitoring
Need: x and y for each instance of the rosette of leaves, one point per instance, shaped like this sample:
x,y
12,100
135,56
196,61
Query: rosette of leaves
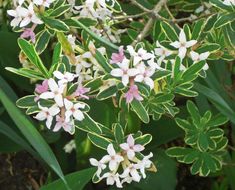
x,y
205,140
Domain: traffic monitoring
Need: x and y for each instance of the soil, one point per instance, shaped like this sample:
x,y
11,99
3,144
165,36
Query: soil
x,y
20,171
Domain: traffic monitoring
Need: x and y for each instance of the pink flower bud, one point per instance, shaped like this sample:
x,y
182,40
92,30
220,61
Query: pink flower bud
x,y
118,57
133,93
28,33
41,88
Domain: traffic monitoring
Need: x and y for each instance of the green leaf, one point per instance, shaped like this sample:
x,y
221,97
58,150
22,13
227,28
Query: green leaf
x,y
144,140
218,120
210,47
169,31
99,141
197,29
107,93
42,41
192,109
29,50
95,36
31,134
76,180
224,19
59,11
103,62
219,4
27,101
193,70
118,133
31,74
55,24
139,109
89,125
56,57
217,100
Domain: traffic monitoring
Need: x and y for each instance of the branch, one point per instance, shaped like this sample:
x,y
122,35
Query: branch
x,y
149,24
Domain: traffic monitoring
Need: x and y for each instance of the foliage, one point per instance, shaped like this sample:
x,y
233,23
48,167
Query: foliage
x,y
109,79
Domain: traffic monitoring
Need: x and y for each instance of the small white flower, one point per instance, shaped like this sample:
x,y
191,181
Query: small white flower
x,y
73,110
18,15
162,52
113,158
183,44
196,57
145,74
100,166
64,78
70,146
131,170
47,114
130,147
112,178
229,2
61,123
140,55
145,163
124,71
45,3
56,92
30,17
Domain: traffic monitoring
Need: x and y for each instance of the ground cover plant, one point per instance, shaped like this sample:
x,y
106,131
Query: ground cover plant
x,y
119,94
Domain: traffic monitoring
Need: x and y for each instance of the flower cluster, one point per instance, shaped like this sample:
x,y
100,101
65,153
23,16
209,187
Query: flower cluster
x,y
184,49
63,106
28,13
124,166
138,69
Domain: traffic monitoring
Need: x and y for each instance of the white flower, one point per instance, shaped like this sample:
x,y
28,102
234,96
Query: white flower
x,y
229,2
47,114
100,166
124,71
130,147
145,74
68,148
56,92
61,123
196,57
131,170
113,158
18,14
45,3
183,44
73,110
140,55
112,178
64,78
145,163
30,17
162,52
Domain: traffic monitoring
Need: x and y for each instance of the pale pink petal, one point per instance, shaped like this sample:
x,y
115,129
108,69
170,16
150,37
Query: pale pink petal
x,y
138,148
78,115
111,150
116,72
191,43
175,44
130,140
124,146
